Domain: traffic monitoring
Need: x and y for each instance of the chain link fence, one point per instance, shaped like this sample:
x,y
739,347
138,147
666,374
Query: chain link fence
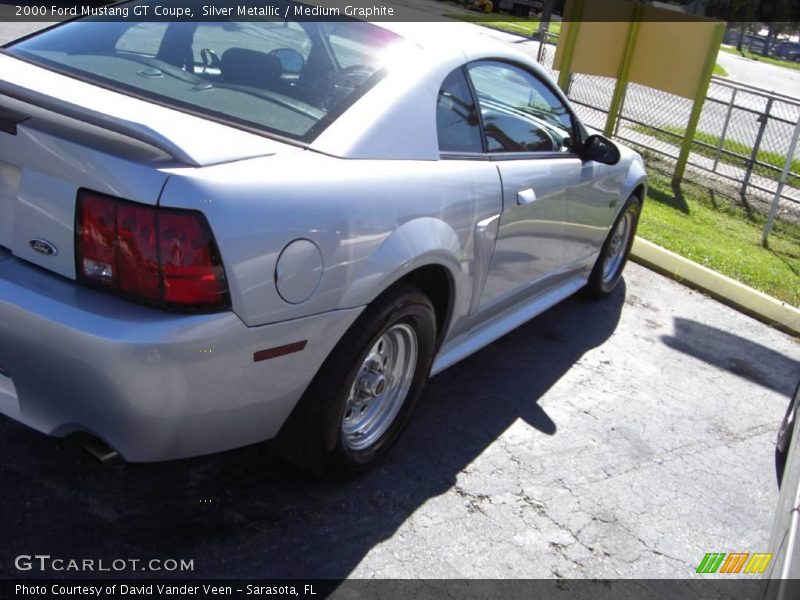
x,y
744,134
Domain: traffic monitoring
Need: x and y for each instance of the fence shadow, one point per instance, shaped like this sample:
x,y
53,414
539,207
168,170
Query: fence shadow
x,y
675,200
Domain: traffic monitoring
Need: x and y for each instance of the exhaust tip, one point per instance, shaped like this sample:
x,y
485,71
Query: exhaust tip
x,y
100,450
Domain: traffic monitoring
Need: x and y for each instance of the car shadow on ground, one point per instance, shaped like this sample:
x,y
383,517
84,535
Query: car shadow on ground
x,y
244,513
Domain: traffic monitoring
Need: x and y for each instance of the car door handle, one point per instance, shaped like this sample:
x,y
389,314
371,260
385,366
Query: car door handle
x,y
526,196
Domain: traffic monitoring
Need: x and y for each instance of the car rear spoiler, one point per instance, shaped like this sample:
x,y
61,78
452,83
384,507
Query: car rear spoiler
x,y
79,113
188,139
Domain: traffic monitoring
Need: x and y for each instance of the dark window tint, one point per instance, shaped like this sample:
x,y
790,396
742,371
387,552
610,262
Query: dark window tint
x,y
351,46
222,37
142,38
520,112
456,116
291,78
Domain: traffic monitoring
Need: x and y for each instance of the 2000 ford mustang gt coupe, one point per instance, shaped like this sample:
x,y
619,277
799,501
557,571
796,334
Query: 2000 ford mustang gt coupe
x,y
213,234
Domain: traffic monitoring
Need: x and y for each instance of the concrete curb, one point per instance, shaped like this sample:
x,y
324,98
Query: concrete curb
x,y
745,299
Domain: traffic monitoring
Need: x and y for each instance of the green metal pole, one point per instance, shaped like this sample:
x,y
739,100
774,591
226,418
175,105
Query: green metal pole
x,y
570,42
699,100
624,71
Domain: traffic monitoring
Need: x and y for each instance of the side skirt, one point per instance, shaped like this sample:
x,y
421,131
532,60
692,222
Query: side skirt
x,y
497,328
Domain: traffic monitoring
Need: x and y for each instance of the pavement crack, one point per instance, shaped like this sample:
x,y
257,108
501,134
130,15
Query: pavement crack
x,y
474,502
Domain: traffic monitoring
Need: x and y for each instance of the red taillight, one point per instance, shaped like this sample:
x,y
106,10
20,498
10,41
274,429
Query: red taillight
x,y
137,251
162,256
97,239
191,274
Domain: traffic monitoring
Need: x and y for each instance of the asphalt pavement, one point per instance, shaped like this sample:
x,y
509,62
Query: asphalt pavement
x,y
623,438
12,31
760,74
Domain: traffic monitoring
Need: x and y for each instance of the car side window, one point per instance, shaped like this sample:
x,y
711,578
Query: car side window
x,y
457,120
520,112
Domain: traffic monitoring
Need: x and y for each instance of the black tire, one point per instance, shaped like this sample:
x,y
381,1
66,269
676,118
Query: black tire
x,y
600,284
314,437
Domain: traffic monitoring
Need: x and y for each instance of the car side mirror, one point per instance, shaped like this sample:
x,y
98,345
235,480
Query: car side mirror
x,y
601,149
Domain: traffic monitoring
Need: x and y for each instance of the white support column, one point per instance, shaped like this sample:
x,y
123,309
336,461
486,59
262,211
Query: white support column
x,y
787,167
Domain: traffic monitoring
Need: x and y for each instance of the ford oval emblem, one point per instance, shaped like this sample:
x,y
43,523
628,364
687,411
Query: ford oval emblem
x,y
44,247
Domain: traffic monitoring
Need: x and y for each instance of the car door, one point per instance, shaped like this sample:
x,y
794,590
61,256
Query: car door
x,y
461,146
530,135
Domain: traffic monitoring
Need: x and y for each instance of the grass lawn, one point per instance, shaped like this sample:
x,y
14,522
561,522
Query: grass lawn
x,y
767,59
511,24
701,225
720,71
771,158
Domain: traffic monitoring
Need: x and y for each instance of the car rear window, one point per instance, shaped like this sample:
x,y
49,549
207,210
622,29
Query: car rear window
x,y
289,78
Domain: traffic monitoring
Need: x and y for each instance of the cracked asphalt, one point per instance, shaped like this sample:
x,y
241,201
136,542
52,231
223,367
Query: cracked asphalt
x,y
624,438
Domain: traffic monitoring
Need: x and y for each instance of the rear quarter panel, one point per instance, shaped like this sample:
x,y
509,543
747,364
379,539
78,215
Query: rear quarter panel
x,y
373,221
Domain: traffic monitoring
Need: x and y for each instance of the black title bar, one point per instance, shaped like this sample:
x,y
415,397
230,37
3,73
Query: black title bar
x,y
370,10
737,588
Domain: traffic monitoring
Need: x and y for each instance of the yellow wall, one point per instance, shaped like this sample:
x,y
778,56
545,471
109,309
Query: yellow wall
x,y
668,55
671,56
600,46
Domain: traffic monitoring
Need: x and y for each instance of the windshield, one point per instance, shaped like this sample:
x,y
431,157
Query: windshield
x,y
289,78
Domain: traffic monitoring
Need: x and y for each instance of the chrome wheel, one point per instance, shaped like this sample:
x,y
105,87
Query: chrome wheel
x,y
380,387
617,247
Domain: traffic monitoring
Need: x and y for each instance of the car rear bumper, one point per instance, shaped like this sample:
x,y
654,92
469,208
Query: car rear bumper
x,y
150,384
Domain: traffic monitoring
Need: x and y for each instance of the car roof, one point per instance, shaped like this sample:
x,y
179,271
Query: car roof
x,y
396,119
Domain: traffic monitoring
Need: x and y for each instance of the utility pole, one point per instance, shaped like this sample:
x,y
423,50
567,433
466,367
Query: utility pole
x,y
544,26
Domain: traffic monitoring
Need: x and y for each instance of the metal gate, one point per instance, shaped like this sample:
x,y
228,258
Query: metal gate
x,y
744,135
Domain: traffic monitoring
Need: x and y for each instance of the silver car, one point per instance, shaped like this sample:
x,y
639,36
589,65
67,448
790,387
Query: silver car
x,y
218,233
782,578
